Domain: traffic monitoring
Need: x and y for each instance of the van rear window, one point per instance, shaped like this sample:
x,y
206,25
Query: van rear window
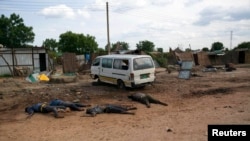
x,y
143,63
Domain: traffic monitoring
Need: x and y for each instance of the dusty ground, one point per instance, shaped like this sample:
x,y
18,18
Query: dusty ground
x,y
215,98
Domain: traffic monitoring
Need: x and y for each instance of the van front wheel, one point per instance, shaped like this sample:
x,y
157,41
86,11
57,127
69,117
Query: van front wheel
x,y
120,84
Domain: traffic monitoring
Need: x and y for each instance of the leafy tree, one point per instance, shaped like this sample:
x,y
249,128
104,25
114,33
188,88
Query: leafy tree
x,y
244,45
205,49
188,50
50,44
146,46
90,45
68,42
121,45
217,46
77,43
160,50
14,33
100,50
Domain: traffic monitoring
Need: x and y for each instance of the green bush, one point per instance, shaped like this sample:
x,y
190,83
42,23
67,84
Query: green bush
x,y
5,75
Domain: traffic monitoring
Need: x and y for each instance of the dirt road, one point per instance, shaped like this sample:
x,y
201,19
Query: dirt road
x,y
213,98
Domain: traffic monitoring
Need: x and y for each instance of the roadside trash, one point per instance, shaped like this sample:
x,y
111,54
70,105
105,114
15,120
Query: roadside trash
x,y
229,67
32,77
209,68
69,74
36,77
43,77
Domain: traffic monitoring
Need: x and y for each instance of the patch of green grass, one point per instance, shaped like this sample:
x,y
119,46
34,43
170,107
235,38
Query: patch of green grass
x,y
5,75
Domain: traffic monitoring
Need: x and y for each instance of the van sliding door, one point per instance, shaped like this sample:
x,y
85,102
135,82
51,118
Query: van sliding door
x,y
121,67
106,70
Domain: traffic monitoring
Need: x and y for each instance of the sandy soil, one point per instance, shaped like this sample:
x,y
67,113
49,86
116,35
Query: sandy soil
x,y
214,98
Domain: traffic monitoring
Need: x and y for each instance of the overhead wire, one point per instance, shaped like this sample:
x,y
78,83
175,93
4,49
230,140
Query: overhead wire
x,y
34,6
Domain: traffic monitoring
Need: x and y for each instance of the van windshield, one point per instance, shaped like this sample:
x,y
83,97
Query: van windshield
x,y
143,63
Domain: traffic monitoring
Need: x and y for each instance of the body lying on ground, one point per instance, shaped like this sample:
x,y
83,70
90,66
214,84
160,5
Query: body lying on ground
x,y
110,108
43,108
71,105
145,99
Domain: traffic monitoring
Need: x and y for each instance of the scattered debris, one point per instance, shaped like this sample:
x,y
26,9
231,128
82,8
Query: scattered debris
x,y
210,68
227,107
195,75
21,71
168,129
32,77
229,67
241,111
212,91
43,77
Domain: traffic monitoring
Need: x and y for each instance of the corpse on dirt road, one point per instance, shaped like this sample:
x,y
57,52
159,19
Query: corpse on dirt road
x,y
43,108
110,108
145,99
71,105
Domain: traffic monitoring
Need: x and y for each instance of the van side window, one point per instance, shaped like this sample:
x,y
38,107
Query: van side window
x,y
107,63
96,62
121,64
143,63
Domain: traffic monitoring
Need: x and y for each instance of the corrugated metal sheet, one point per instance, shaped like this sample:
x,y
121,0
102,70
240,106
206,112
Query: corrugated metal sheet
x,y
184,74
247,57
187,65
5,71
7,57
22,58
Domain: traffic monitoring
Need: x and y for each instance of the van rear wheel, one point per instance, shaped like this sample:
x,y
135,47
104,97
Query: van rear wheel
x,y
120,84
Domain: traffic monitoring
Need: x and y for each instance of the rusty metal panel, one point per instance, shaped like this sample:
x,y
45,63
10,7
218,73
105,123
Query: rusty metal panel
x,y
69,63
20,57
247,57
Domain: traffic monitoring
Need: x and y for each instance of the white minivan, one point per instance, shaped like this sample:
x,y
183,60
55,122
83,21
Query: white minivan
x,y
124,70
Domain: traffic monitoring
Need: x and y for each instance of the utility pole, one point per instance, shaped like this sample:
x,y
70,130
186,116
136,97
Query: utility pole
x,y
231,37
107,11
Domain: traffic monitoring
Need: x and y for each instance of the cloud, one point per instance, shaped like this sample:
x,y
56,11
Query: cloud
x,y
192,2
84,13
129,5
162,2
240,14
59,11
211,14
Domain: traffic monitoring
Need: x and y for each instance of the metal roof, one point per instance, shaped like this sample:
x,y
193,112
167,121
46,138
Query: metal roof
x,y
123,56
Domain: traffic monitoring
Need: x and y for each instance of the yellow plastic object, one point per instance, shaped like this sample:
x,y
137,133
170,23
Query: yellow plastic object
x,y
43,77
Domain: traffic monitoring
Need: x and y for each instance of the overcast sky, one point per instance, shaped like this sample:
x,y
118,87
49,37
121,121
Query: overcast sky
x,y
166,23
